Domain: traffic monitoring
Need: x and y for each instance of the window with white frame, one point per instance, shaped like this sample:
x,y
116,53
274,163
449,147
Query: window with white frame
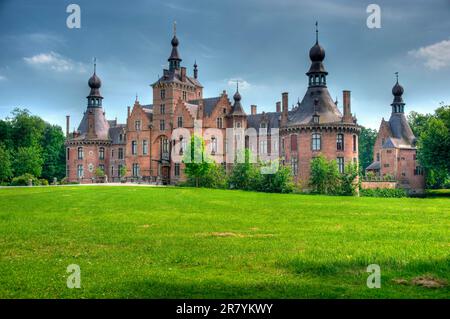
x,y
144,147
162,125
180,121
263,146
213,145
135,169
316,142
133,147
163,94
340,142
80,171
219,122
80,153
120,155
177,169
137,125
294,166
101,153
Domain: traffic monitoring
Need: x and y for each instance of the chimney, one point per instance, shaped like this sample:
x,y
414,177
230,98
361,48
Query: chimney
x,y
183,74
253,109
67,125
285,105
346,106
278,107
129,112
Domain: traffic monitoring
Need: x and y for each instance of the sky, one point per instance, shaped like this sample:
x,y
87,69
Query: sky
x,y
45,66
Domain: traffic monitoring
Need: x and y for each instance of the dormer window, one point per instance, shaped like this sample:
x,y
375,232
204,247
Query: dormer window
x,y
316,119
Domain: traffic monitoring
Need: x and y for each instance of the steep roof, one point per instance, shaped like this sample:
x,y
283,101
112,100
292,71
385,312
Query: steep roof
x,y
208,104
101,124
316,99
403,137
114,133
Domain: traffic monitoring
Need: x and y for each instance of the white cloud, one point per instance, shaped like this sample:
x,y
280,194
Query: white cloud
x,y
244,85
436,56
55,62
3,78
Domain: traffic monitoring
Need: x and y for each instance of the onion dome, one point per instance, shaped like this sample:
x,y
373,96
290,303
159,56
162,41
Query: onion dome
x,y
94,82
317,53
397,90
237,96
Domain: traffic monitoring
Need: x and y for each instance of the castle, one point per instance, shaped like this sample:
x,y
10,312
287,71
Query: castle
x,y
145,145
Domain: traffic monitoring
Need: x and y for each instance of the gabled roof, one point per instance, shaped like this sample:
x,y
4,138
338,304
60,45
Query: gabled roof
x,y
208,104
401,131
374,166
271,118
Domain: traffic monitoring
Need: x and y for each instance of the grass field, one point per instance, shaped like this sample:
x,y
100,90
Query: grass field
x,y
143,242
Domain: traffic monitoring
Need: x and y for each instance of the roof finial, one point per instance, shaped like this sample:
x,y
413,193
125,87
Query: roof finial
x,y
396,75
136,97
174,28
95,65
317,32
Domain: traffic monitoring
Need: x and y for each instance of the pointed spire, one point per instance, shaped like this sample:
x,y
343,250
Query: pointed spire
x,y
195,69
95,65
396,75
174,59
317,32
174,28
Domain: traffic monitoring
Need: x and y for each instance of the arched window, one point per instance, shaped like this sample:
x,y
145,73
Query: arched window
x,y
315,142
340,142
80,153
102,153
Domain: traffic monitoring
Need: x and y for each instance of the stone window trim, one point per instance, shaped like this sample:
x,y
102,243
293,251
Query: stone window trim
x,y
80,153
316,142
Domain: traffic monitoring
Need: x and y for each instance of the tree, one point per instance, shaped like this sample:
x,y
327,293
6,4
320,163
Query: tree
x,y
28,160
201,171
367,139
53,152
244,175
348,185
418,122
5,164
279,182
324,177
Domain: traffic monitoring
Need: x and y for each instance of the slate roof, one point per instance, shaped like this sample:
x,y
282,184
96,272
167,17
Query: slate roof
x,y
402,135
208,104
175,77
374,166
271,118
101,124
325,107
114,133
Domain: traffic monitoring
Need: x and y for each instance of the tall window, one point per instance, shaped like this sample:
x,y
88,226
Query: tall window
x,y
80,153
182,145
137,125
340,142
177,169
180,121
112,153
67,153
102,153
340,163
184,96
112,170
135,169
144,147
102,167
165,146
418,170
162,109
213,145
120,155
80,171
354,143
219,122
163,94
294,165
316,142
294,143
378,157
121,137
134,147
263,146
162,125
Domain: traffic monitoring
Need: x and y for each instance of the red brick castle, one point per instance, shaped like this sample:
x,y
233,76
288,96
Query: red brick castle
x,y
144,144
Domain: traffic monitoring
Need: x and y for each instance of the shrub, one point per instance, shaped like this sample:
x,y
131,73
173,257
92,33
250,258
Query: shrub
x,y
347,180
43,182
278,182
23,180
383,192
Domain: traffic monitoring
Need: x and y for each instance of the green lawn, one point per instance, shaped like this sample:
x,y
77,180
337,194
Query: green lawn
x,y
143,242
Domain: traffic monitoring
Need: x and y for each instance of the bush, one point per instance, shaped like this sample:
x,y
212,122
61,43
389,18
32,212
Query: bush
x,y
383,192
43,182
23,180
279,182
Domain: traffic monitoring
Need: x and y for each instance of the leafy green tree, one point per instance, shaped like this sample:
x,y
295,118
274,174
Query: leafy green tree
x,y
434,151
26,130
201,170
28,160
348,185
325,177
418,122
279,182
5,164
53,152
367,139
246,175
